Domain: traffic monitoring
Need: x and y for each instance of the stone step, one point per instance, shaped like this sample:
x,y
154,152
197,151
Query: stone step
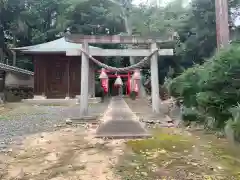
x,y
120,122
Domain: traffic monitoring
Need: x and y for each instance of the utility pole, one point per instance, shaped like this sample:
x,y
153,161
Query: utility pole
x,y
222,27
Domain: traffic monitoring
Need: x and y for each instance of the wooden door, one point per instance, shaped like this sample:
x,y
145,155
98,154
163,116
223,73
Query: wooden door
x,y
75,77
57,79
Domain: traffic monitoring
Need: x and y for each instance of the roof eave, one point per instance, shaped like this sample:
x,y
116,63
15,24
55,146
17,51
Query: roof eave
x,y
43,52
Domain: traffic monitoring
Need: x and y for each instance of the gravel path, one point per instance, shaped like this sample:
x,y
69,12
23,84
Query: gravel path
x,y
24,120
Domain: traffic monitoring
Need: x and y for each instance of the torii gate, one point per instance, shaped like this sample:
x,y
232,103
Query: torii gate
x,y
85,40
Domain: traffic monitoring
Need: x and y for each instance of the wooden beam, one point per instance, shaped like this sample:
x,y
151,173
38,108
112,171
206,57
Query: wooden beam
x,y
124,52
115,39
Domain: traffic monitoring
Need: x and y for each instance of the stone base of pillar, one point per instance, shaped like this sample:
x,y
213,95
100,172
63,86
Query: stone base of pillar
x,y
67,98
40,97
90,99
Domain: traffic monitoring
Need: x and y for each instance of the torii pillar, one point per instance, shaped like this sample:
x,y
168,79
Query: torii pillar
x,y
91,81
154,79
84,82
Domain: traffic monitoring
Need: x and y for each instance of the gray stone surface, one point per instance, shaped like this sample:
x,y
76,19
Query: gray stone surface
x,y
121,122
34,119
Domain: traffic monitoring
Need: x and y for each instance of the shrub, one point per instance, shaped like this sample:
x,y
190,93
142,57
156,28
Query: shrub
x,y
186,86
192,114
213,87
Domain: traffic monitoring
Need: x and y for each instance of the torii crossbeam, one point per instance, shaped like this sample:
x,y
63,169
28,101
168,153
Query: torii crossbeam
x,y
154,43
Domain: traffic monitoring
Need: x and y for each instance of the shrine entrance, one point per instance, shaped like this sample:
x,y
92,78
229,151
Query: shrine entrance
x,y
87,55
119,121
118,89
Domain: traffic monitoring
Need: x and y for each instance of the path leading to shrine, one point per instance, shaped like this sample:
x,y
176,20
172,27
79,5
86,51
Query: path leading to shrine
x,y
73,153
121,122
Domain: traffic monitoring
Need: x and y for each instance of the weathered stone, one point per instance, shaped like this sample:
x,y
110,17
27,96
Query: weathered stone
x,y
120,122
52,157
68,121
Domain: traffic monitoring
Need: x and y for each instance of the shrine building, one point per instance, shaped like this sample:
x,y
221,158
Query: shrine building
x,y
57,75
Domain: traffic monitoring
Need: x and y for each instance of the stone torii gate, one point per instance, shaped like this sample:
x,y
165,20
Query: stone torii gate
x,y
85,40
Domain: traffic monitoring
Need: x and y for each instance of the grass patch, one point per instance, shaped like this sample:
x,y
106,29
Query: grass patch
x,y
228,156
3,118
149,156
169,142
225,154
172,155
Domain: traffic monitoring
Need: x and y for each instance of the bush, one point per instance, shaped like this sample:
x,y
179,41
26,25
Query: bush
x,y
186,86
192,114
213,87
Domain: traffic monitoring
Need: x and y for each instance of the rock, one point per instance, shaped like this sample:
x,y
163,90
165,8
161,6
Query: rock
x,y
67,130
9,150
144,174
68,121
162,151
70,166
52,157
43,135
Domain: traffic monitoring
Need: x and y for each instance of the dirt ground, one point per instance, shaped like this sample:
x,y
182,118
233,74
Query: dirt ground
x,y
72,153
67,154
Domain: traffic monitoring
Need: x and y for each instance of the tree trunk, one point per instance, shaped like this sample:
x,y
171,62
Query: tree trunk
x,y
128,28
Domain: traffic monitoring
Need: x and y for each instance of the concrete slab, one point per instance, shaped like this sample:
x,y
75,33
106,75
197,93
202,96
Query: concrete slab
x,y
120,122
66,101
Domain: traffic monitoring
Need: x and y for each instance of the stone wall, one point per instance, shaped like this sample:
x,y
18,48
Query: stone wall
x,y
15,86
16,80
16,94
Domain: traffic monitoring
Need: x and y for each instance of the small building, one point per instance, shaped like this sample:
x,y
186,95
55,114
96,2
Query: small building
x,y
56,75
15,83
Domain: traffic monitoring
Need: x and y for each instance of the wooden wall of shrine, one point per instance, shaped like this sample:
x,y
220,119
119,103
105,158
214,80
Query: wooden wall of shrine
x,y
57,76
